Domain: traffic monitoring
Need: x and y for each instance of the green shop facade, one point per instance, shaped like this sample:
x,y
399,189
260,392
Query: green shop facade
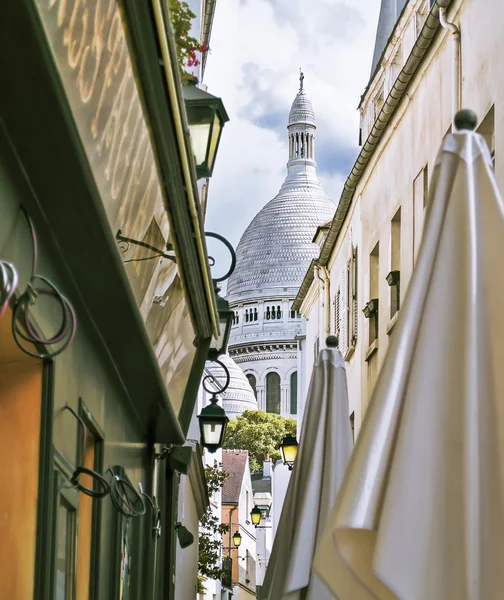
x,y
104,339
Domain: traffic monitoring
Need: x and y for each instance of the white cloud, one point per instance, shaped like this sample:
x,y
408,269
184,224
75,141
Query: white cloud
x,y
257,47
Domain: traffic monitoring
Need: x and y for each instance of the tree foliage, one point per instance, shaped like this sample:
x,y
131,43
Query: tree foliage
x,y
211,529
260,433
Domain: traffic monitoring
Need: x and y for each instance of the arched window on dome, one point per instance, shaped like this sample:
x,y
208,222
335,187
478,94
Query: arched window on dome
x,y
253,383
273,393
279,312
246,315
268,314
293,393
255,314
237,317
273,312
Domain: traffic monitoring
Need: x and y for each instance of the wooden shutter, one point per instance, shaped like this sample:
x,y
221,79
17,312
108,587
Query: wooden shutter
x,y
343,345
336,314
355,308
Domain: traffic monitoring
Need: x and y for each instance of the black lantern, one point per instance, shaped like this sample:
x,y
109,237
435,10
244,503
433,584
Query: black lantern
x,y
371,308
237,539
219,345
255,516
206,117
213,422
289,450
393,278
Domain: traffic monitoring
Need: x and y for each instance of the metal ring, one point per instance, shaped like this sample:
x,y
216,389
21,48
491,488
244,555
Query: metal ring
x,y
221,389
94,475
222,239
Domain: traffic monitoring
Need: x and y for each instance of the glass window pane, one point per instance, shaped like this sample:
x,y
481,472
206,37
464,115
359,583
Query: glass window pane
x,y
62,554
293,393
273,393
65,551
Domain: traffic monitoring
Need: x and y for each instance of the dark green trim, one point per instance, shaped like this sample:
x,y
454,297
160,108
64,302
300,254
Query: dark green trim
x,y
99,452
43,580
172,487
143,41
193,384
62,196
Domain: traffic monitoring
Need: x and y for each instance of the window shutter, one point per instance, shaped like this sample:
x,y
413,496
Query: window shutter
x,y
336,314
344,313
355,311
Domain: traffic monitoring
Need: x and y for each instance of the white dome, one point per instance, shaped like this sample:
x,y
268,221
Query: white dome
x,y
239,396
276,248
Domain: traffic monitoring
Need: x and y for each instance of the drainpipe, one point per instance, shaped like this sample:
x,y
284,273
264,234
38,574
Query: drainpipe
x,y
325,305
456,83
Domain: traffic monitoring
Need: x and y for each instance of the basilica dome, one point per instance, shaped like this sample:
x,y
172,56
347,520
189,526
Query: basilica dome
x,y
276,248
239,396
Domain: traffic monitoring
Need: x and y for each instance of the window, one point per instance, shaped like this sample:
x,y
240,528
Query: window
x,y
374,271
348,309
279,312
65,538
273,393
246,315
88,543
253,383
268,314
255,314
336,314
395,262
293,393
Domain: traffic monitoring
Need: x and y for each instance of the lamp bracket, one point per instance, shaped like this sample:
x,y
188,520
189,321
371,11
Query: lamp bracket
x,y
124,244
211,259
210,377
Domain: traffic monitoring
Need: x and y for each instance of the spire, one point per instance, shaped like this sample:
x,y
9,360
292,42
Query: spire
x,y
301,126
301,167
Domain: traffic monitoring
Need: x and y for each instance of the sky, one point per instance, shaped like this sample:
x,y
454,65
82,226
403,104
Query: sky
x,y
256,50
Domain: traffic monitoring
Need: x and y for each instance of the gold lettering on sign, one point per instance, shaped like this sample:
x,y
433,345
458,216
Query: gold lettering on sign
x,y
75,47
90,39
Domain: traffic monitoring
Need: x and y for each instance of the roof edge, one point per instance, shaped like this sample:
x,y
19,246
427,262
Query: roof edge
x,y
419,50
305,286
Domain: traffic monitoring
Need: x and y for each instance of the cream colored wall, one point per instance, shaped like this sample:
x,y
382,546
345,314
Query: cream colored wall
x,y
411,142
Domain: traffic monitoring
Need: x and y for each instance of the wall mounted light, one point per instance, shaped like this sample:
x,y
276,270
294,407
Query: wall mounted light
x,y
237,538
371,308
206,117
255,516
289,450
393,278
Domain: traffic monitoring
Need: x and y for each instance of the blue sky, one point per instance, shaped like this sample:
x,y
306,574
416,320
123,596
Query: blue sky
x,y
257,48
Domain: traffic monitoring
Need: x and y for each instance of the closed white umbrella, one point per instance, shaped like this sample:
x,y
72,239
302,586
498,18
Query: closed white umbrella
x,y
324,451
420,514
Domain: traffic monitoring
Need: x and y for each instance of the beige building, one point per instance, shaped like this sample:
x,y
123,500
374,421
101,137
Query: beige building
x,y
423,70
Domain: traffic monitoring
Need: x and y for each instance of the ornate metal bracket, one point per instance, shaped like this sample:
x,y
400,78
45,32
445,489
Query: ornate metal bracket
x,y
210,377
121,239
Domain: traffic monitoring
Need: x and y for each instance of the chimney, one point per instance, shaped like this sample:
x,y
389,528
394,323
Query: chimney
x,y
267,468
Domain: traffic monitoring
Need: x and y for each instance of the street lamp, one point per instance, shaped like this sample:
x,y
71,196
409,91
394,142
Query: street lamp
x,y
370,308
237,538
219,345
213,419
289,450
206,117
255,516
